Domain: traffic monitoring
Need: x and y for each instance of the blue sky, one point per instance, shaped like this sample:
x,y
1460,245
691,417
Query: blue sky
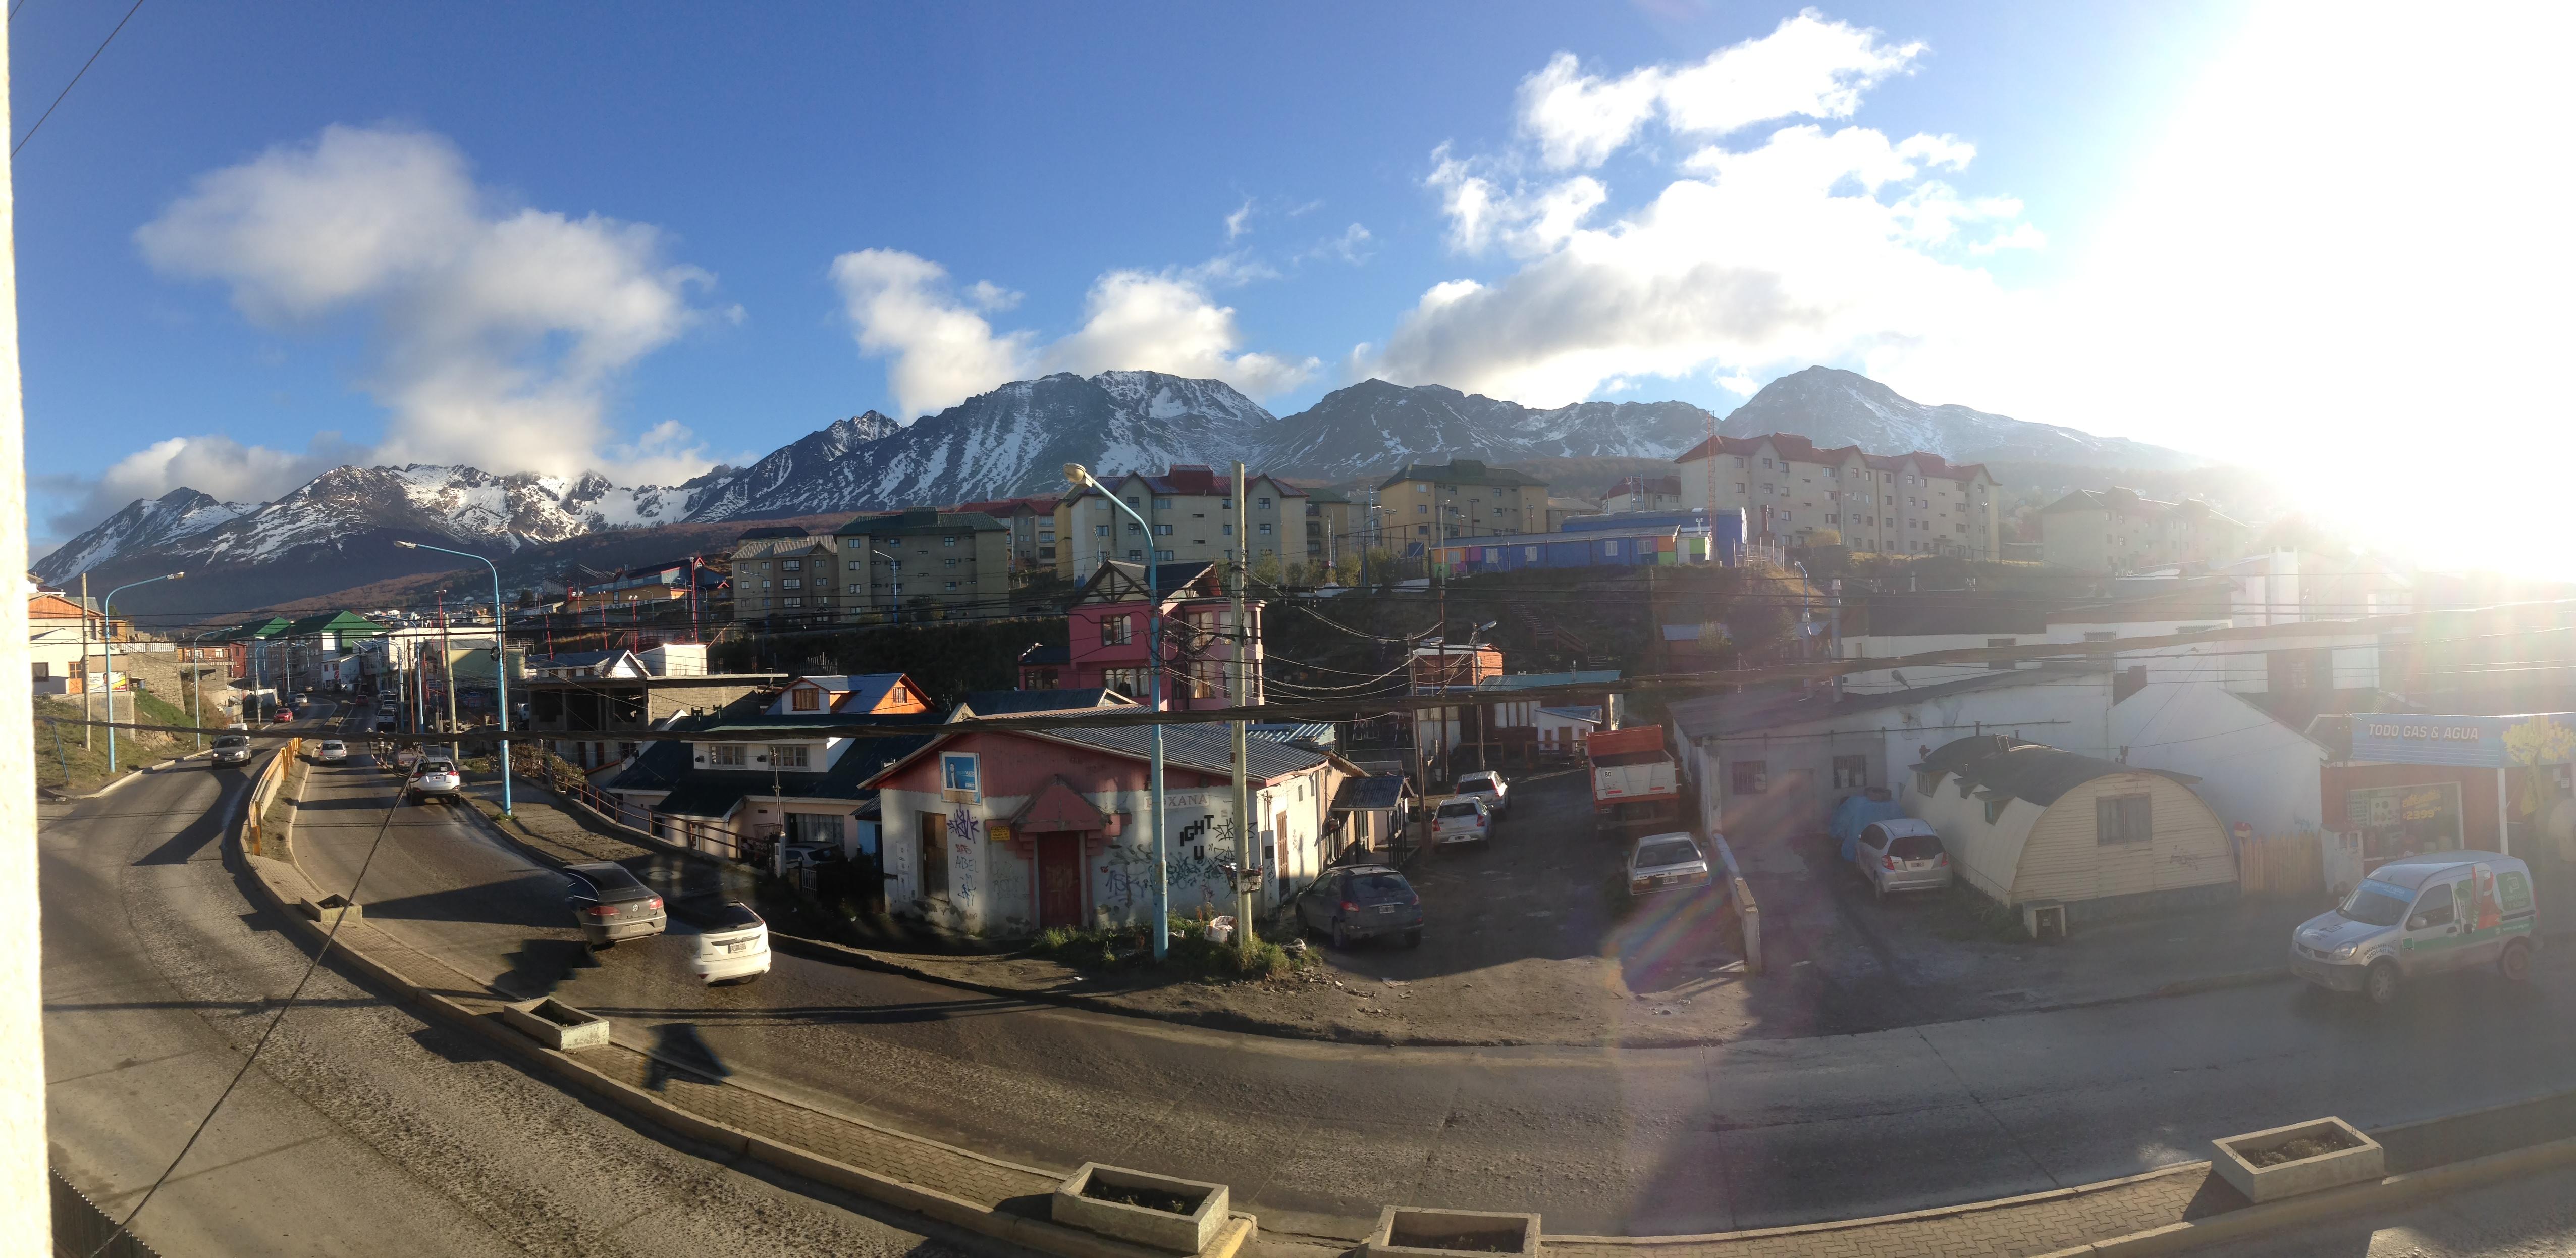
x,y
636,213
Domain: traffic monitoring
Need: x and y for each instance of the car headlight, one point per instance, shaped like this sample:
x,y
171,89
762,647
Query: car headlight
x,y
2345,952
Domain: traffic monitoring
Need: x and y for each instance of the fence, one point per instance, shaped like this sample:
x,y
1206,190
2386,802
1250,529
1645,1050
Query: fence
x,y
80,1227
264,792
2280,864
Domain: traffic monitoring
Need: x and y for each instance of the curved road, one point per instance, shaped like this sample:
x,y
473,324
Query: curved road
x,y
361,1129
1317,1136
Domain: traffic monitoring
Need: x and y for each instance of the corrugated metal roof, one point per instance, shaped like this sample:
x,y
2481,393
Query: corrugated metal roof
x,y
1320,733
1200,747
1382,790
2004,769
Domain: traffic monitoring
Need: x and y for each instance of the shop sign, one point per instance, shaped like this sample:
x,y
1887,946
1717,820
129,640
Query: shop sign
x,y
2470,742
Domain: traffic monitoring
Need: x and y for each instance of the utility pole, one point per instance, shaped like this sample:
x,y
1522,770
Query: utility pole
x,y
87,713
447,659
1247,891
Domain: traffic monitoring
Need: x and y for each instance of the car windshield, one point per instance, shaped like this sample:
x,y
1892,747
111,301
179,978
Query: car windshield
x,y
1463,808
233,740
2377,903
1667,852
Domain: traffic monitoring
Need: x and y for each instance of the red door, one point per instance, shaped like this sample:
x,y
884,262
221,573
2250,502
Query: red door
x,y
1060,880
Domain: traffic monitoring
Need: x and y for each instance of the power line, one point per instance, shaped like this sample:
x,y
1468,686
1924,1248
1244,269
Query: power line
x,y
76,78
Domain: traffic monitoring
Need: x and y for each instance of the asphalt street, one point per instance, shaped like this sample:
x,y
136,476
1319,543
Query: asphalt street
x,y
1317,1136
361,1129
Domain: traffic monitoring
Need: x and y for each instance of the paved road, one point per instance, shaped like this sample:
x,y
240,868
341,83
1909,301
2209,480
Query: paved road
x,y
1316,1136
361,1130
2531,1217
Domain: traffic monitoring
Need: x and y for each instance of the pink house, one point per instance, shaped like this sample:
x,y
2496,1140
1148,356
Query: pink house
x,y
1109,621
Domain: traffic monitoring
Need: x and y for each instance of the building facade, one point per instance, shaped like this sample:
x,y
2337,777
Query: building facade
x,y
2117,531
1427,505
1794,494
784,576
1109,629
1645,493
925,563
1192,514
1031,525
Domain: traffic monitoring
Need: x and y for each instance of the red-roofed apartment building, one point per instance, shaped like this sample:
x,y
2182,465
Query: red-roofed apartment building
x,y
1898,504
1032,525
1191,509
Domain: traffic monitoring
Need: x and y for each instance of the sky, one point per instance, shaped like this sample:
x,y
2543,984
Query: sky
x,y
640,239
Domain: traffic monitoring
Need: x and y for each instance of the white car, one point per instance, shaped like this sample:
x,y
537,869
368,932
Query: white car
x,y
1488,786
332,751
1461,819
1667,862
436,779
728,942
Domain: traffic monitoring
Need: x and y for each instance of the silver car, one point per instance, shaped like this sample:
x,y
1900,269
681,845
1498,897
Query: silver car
x,y
232,749
1667,862
1901,854
608,903
2434,913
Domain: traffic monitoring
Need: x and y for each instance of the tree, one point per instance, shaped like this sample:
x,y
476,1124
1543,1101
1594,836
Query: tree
x,y
527,598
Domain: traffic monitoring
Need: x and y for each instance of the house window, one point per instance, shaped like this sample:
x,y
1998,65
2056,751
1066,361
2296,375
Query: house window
x,y
1229,528
1117,630
947,563
948,540
796,602
952,587
1851,773
1265,503
726,756
2122,819
934,853
792,565
854,565
1162,556
1162,504
1265,529
1739,487
788,756
805,699
792,583
1100,530
1162,530
960,780
1749,777
1130,682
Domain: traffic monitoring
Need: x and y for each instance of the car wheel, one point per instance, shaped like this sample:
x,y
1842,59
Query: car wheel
x,y
2380,984
1341,937
1413,938
2515,964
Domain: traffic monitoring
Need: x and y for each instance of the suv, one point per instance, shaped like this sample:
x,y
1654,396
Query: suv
x,y
1357,901
608,904
435,778
731,942
232,749
1490,787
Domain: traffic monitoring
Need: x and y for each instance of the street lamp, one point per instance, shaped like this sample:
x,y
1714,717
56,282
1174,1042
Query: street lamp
x,y
1080,478
500,659
107,661
897,565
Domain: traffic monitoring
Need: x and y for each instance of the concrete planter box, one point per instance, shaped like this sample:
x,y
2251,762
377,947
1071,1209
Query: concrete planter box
x,y
557,1025
1159,1229
2363,1161
330,909
1413,1232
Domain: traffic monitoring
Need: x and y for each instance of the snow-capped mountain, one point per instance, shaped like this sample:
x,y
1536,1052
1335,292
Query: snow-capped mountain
x,y
1841,408
1376,426
144,524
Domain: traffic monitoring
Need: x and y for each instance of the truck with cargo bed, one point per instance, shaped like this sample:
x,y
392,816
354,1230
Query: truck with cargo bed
x,y
1635,785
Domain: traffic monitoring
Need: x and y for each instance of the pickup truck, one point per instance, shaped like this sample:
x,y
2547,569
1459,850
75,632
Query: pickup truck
x,y
1460,819
1490,787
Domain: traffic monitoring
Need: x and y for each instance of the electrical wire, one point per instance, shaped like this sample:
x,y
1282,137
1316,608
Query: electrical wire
x,y
76,78
252,1058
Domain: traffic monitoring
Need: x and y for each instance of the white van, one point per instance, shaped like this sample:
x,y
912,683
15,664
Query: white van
x,y
2433,913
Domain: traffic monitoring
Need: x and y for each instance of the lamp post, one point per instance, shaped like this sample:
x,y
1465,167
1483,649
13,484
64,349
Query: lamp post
x,y
500,660
897,565
1080,477
107,655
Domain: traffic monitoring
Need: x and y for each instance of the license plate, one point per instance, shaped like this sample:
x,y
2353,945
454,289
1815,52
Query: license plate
x,y
732,948
1386,908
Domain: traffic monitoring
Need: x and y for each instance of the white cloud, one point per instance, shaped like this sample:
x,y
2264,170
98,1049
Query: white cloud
x,y
211,463
1354,245
1808,67
939,352
497,332
1240,221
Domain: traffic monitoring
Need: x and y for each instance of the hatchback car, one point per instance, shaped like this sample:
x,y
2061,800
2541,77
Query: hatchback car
x,y
1360,901
609,904
331,751
1901,855
1667,862
283,716
232,749
728,942
435,779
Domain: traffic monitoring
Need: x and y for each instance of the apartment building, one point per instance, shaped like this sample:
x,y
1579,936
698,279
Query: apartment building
x,y
782,577
928,562
1191,510
1427,504
1333,524
2116,530
1645,493
1031,522
1793,494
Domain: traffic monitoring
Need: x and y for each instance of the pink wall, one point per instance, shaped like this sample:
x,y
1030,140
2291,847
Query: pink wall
x,y
1012,764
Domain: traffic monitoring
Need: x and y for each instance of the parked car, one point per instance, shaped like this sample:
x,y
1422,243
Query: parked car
x,y
728,942
332,751
2433,913
609,904
283,716
1901,854
232,748
1490,787
1352,902
802,854
436,779
1461,819
1667,862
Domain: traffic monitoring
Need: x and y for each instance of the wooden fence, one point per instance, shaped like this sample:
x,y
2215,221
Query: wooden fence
x,y
2281,864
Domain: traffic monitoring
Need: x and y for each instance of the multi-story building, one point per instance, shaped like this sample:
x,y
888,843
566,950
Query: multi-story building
x,y
942,563
1191,511
1792,494
1110,630
783,576
1560,510
1333,524
2115,530
1031,522
1645,493
1426,505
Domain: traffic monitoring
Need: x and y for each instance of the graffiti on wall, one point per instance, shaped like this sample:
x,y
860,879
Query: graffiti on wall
x,y
1202,841
965,851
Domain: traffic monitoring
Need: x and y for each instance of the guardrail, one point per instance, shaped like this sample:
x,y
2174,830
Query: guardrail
x,y
264,792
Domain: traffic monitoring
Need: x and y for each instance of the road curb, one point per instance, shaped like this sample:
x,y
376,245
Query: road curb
x,y
1037,1234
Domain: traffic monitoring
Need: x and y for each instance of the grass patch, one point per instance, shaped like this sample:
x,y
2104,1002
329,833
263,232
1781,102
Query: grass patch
x,y
65,765
1190,954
